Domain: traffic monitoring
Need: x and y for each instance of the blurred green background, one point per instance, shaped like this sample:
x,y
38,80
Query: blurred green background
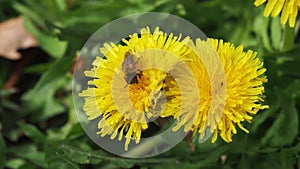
x,y
38,124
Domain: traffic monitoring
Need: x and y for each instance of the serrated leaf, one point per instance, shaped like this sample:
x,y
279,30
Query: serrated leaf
x,y
81,156
55,159
77,156
65,158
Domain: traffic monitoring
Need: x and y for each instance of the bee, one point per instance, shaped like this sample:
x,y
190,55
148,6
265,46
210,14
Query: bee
x,y
129,68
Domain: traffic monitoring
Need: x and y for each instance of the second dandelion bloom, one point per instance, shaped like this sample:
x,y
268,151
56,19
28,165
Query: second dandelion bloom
x,y
234,99
288,8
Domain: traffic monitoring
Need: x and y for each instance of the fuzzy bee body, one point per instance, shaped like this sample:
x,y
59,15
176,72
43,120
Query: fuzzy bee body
x,y
129,68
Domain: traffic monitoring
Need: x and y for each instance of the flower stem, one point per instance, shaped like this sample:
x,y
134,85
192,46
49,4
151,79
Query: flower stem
x,y
288,38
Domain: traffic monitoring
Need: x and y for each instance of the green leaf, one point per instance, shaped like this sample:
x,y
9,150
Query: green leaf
x,y
28,166
10,105
205,159
43,101
288,38
7,92
31,153
68,161
54,158
15,163
62,5
276,160
261,117
69,130
57,70
261,25
288,64
38,68
2,152
52,45
32,132
288,160
294,149
285,127
29,13
76,155
276,32
213,156
85,157
42,95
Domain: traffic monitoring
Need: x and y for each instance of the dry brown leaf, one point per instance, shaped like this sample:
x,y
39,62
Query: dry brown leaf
x,y
13,36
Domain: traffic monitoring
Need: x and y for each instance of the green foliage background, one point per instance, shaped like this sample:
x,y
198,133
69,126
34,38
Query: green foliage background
x,y
39,128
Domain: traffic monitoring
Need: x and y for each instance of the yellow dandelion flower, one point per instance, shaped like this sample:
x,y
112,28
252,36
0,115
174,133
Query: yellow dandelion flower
x,y
122,92
243,85
288,8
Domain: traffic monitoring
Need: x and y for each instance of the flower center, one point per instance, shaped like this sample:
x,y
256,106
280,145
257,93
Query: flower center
x,y
141,93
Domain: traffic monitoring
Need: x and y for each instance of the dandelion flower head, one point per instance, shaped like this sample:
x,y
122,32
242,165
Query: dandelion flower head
x,y
288,8
124,107
244,78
